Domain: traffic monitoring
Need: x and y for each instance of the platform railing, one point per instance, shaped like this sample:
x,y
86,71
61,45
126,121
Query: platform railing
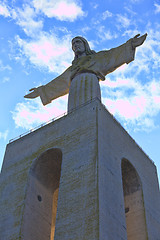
x,y
67,113
52,120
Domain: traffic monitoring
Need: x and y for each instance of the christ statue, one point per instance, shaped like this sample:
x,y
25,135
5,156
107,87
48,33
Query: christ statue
x,y
81,79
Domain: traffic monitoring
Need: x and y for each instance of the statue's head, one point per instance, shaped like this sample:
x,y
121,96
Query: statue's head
x,y
81,47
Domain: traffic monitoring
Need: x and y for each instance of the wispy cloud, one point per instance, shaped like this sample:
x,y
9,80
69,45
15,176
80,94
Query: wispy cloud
x,y
6,79
4,11
4,67
85,29
4,135
157,6
106,14
64,10
127,97
129,10
94,5
130,33
30,16
32,113
45,50
106,34
124,21
26,18
134,103
48,51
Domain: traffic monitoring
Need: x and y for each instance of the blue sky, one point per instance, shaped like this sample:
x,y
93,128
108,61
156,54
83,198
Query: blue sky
x,y
35,40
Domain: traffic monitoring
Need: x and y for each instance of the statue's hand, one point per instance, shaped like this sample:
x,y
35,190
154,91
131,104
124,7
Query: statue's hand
x,y
35,92
137,41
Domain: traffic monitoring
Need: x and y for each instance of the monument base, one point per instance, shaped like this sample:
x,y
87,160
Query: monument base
x,y
105,184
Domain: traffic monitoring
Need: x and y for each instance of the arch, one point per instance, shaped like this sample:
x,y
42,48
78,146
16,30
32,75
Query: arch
x,y
42,196
133,202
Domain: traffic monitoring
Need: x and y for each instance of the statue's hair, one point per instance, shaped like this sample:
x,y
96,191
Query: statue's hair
x,y
88,50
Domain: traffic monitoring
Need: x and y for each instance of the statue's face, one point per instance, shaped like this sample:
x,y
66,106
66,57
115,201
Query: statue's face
x,y
78,46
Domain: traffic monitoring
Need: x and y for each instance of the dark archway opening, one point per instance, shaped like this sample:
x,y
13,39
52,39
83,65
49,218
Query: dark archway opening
x,y
133,201
42,196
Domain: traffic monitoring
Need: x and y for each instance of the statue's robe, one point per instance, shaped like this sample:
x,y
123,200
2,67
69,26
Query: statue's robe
x,y
95,66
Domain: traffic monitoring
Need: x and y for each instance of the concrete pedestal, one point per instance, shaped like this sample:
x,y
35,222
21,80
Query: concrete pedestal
x,y
87,156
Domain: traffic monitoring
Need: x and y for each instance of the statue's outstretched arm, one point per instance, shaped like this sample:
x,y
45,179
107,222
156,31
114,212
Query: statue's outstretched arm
x,y
54,89
112,59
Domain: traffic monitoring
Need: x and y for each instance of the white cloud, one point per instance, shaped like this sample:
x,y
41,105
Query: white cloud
x,y
85,29
134,103
4,135
157,6
32,113
6,79
106,14
106,34
64,10
28,16
94,5
130,33
127,96
25,17
4,67
4,10
123,21
48,51
129,10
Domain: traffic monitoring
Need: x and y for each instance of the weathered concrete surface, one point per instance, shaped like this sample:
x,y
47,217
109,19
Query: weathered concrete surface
x,y
115,144
90,201
75,135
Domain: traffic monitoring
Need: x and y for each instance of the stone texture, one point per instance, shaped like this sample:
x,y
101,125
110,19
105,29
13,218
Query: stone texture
x,y
90,200
114,145
84,87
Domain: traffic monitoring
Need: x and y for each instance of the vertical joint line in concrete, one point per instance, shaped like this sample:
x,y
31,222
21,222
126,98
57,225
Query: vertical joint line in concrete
x,y
97,163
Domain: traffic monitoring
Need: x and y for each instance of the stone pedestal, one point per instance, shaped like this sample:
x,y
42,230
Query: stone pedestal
x,y
93,167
